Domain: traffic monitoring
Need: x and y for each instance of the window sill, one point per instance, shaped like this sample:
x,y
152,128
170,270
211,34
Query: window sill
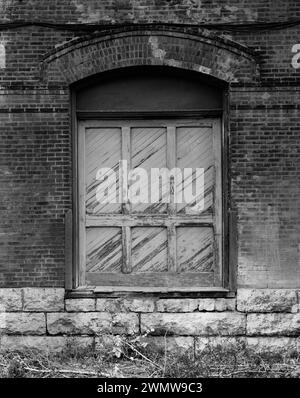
x,y
109,291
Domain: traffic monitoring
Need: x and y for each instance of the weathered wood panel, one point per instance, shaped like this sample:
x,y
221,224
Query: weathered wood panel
x,y
195,249
164,246
114,220
153,279
149,150
195,150
102,150
68,250
104,250
149,249
200,290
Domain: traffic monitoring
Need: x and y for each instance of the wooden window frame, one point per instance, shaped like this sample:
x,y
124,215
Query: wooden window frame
x,y
229,220
126,220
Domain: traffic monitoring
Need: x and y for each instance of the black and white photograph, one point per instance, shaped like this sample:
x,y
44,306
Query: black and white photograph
x,y
149,196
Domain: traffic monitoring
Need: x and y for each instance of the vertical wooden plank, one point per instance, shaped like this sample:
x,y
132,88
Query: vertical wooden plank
x,y
171,163
126,232
75,237
126,243
226,188
68,250
81,204
126,160
233,249
172,249
218,200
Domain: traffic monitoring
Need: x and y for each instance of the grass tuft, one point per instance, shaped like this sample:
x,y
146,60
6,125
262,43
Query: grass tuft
x,y
139,360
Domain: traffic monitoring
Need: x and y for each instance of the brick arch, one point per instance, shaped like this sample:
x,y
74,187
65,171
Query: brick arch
x,y
202,52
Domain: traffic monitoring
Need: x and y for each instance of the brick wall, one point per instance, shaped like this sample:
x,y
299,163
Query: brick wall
x,y
35,140
111,11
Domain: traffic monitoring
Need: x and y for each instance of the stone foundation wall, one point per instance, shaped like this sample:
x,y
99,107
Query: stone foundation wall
x,y
264,319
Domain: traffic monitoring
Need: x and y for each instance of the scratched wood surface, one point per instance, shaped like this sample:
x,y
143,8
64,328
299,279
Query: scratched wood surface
x,y
149,249
195,150
149,149
152,279
151,244
195,249
104,249
102,150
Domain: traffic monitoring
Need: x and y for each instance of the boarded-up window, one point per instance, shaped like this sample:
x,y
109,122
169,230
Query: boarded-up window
x,y
140,227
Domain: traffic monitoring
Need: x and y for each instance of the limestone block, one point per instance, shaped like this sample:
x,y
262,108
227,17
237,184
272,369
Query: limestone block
x,y
266,300
80,305
22,323
273,324
208,323
10,299
43,299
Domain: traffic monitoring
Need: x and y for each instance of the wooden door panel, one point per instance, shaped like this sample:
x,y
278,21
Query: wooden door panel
x,y
102,150
194,147
149,249
148,150
154,281
195,249
104,250
150,245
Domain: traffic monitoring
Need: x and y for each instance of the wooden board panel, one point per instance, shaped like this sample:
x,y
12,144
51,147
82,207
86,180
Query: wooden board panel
x,y
149,150
102,150
153,279
149,249
115,220
104,250
195,150
195,249
158,245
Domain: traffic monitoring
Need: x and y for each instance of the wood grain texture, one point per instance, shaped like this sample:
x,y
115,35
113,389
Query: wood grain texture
x,y
102,150
104,250
195,150
126,165
172,280
195,249
115,220
68,250
126,245
149,249
149,149
172,252
151,245
218,202
81,253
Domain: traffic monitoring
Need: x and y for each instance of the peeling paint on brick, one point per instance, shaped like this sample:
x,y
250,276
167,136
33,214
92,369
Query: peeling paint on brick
x,y
156,51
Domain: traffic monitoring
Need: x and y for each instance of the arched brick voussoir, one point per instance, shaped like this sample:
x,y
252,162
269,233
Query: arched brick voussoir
x,y
219,58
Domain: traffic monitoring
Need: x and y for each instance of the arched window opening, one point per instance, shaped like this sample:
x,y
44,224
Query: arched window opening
x,y
149,181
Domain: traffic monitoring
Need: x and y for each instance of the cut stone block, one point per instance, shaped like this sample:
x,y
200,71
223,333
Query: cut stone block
x,y
266,300
273,324
80,305
43,299
222,323
22,323
10,300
